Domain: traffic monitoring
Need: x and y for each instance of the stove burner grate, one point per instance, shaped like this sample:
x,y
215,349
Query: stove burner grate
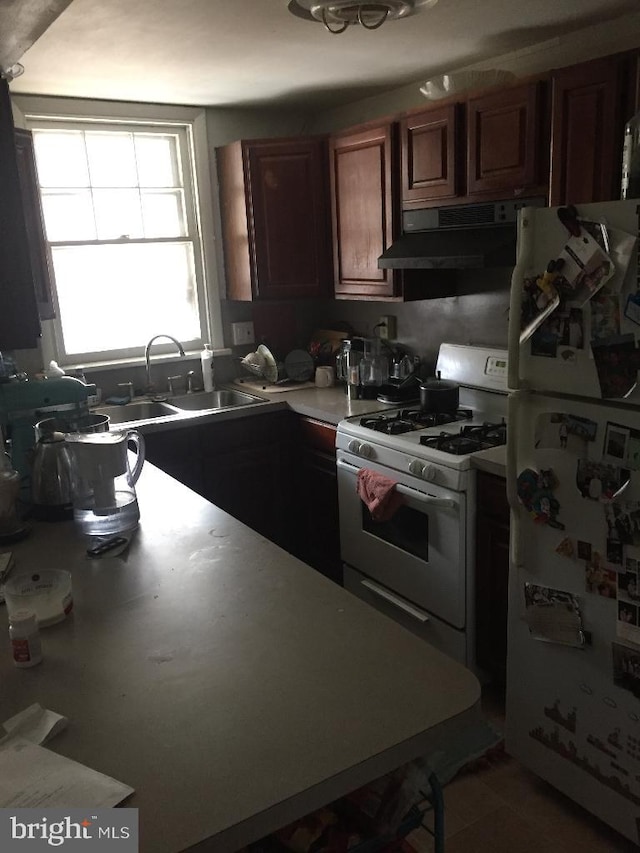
x,y
407,420
469,439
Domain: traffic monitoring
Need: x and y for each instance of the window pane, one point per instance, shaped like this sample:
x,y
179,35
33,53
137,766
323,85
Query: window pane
x,y
119,296
163,214
157,158
68,215
112,161
117,214
62,159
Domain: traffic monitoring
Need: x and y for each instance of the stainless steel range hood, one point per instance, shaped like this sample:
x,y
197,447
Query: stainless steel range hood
x,y
470,236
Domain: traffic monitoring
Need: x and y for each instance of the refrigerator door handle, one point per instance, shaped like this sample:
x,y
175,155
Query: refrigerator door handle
x,y
514,405
524,253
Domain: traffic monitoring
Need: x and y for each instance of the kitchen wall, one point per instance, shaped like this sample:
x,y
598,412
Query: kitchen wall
x,y
477,314
556,51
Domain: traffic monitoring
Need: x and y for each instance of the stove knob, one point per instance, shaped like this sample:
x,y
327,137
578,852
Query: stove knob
x,y
353,446
416,467
430,472
366,450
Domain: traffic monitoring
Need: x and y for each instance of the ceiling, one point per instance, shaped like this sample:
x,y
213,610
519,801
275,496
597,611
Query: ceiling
x,y
254,52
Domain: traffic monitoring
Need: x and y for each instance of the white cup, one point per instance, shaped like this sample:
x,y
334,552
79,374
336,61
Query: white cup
x,y
325,376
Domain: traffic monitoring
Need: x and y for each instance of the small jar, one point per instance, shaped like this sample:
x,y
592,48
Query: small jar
x,y
25,638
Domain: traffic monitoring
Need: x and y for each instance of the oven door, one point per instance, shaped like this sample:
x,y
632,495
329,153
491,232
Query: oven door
x,y
420,553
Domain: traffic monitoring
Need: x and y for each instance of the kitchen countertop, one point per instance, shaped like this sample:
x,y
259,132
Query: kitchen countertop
x,y
493,460
231,685
330,405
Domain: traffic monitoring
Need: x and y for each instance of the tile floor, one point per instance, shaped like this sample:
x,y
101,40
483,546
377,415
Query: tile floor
x,y
499,807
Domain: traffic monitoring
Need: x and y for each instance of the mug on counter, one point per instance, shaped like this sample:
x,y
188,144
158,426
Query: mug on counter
x,y
325,376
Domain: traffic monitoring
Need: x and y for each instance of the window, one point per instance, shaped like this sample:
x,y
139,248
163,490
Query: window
x,y
122,221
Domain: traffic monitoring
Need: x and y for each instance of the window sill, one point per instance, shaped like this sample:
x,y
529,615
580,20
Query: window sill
x,y
161,358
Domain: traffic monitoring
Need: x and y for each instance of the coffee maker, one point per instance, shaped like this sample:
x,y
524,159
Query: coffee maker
x,y
25,402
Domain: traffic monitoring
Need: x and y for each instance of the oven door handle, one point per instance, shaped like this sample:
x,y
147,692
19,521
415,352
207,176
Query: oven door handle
x,y
429,500
382,592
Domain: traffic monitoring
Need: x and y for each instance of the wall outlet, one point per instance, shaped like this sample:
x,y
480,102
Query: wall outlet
x,y
387,328
242,333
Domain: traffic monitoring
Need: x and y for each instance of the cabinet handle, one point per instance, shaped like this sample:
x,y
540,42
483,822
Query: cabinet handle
x,y
415,612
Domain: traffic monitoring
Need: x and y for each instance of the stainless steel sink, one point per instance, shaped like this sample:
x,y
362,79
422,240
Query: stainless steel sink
x,y
225,399
142,411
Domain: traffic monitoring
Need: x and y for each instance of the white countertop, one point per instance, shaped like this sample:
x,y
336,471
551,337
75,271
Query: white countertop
x,y
230,684
493,460
330,405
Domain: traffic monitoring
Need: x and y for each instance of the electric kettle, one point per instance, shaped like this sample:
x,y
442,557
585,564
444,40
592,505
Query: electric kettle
x,y
104,495
51,478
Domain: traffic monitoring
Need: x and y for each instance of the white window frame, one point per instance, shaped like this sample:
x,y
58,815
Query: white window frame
x,y
60,112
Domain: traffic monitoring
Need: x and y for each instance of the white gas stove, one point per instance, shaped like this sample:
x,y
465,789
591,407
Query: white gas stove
x,y
419,565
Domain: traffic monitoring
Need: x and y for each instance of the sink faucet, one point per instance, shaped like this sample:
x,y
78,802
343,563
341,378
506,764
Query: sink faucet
x,y
147,353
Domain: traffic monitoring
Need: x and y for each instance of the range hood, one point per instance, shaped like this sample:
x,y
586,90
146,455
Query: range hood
x,y
470,236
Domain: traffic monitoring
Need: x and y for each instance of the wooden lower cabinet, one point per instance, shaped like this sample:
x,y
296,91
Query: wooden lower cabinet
x,y
318,541
492,575
240,465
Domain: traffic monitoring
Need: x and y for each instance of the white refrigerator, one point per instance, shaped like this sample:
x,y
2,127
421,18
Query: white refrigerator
x,y
573,479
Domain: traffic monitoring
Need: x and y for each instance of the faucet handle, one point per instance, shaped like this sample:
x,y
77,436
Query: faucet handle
x,y
170,381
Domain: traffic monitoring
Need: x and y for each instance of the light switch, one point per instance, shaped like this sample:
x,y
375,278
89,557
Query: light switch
x,y
242,333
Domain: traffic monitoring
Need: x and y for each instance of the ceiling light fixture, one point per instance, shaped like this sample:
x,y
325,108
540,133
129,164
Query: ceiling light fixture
x,y
337,15
15,70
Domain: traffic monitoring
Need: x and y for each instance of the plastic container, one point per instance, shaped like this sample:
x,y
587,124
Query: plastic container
x,y
631,159
25,638
46,593
206,360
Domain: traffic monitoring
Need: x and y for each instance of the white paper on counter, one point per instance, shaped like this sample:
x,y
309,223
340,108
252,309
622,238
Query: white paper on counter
x,y
35,724
34,777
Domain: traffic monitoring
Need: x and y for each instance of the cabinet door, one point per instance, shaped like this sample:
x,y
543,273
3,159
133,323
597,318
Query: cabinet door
x,y
178,453
289,218
430,162
317,486
19,323
587,132
363,178
492,575
39,251
503,155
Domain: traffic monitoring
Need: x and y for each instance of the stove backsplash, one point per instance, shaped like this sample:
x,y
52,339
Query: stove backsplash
x,y
477,315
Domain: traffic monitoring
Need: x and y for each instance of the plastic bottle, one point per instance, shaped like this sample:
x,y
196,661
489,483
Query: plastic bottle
x,y
631,159
54,371
206,359
25,638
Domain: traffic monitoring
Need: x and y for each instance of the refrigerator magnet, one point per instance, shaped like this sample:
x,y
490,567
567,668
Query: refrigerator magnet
x,y
626,668
600,580
632,309
535,491
586,268
616,360
553,615
559,431
599,481
565,548
605,315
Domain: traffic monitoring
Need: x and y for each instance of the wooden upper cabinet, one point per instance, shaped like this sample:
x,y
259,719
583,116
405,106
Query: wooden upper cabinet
x,y
430,146
504,145
39,250
275,222
364,176
587,131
